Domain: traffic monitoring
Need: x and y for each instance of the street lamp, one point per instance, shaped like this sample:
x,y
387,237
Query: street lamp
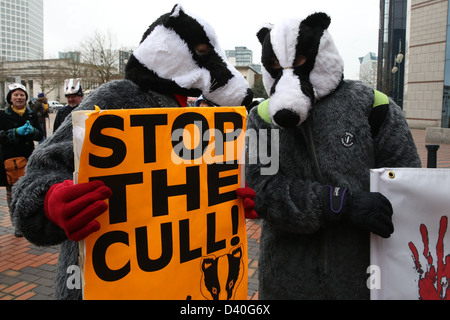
x,y
398,60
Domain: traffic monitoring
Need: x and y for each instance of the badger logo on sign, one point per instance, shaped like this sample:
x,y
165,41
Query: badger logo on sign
x,y
221,276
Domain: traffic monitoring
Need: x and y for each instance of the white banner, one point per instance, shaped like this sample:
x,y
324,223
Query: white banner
x,y
415,262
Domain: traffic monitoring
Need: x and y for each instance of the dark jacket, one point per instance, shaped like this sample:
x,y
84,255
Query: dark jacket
x,y
14,145
38,107
62,115
3,140
302,256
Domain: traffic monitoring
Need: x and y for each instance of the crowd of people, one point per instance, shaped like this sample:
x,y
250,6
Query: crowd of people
x,y
23,125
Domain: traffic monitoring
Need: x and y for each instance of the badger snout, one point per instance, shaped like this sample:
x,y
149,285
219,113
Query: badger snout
x,y
287,119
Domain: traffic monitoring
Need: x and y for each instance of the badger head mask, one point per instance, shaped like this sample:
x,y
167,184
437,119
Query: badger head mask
x,y
301,65
180,54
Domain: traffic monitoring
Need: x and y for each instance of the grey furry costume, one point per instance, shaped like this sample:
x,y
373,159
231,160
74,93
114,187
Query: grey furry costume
x,y
53,161
305,253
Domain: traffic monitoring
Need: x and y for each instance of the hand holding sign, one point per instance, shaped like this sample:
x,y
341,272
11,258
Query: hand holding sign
x,y
248,196
74,207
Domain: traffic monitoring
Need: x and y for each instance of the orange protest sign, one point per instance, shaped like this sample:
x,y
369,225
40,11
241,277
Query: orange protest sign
x,y
175,228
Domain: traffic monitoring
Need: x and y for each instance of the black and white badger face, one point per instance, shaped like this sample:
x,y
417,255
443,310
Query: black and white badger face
x,y
180,54
221,276
301,65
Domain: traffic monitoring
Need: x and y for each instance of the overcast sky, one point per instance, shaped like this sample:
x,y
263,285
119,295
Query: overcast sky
x,y
354,23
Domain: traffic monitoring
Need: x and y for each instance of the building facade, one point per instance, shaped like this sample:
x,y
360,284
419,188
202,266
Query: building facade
x,y
45,76
427,79
391,44
446,99
74,55
240,56
368,69
21,30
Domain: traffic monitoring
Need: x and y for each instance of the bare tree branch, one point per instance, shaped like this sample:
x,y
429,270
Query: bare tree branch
x,y
99,51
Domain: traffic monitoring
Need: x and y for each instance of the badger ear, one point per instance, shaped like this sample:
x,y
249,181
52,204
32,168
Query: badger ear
x,y
176,11
319,19
263,32
207,262
236,252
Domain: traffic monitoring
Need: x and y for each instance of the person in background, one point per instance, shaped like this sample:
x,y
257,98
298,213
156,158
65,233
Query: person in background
x,y
203,103
74,95
19,127
40,107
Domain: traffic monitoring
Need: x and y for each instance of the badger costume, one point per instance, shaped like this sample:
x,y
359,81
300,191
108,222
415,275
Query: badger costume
x,y
317,209
178,56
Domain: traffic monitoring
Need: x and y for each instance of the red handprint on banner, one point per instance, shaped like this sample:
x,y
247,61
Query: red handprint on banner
x,y
434,285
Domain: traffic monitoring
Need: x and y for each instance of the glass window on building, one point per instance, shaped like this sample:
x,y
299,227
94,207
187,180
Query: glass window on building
x,y
22,20
392,43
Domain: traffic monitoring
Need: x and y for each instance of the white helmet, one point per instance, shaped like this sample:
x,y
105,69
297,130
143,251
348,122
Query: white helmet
x,y
13,87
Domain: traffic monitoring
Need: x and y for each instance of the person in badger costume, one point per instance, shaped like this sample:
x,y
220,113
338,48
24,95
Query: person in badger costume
x,y
317,210
179,56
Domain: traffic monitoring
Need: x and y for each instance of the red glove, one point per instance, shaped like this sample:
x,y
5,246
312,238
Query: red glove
x,y
248,196
74,207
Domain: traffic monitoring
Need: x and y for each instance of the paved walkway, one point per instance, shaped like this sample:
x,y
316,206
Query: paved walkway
x,y
27,272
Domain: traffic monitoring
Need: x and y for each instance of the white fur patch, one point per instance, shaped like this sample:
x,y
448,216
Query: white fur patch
x,y
176,11
284,41
166,54
325,76
210,32
232,94
328,69
288,95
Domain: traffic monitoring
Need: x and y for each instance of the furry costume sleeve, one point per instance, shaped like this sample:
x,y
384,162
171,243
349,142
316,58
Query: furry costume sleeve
x,y
286,202
394,145
53,161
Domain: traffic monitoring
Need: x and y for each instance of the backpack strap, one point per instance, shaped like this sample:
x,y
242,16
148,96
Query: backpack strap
x,y
379,112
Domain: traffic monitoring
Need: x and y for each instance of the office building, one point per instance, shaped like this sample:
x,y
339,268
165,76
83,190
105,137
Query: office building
x,y
74,55
240,56
124,57
21,30
368,69
392,44
427,83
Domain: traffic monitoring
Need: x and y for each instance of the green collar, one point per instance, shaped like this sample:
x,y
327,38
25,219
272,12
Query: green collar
x,y
263,111
380,99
